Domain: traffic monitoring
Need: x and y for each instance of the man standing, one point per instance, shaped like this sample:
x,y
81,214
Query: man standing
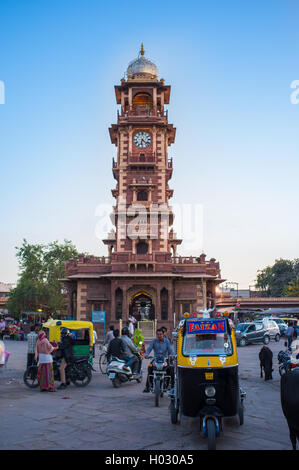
x,y
2,327
95,338
109,335
289,334
131,328
66,348
162,348
31,342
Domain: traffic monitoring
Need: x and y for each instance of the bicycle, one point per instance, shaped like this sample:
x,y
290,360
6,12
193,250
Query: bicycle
x,y
103,360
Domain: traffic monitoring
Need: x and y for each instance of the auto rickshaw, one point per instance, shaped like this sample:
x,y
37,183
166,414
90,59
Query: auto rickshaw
x,y
81,332
206,375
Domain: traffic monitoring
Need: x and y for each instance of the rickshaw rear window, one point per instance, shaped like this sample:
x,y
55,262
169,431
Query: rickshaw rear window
x,y
207,344
81,337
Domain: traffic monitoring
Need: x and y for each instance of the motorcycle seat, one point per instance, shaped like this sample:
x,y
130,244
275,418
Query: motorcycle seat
x,y
117,359
79,359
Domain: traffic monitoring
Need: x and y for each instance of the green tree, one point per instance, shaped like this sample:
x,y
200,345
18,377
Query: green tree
x,y
292,290
41,267
275,279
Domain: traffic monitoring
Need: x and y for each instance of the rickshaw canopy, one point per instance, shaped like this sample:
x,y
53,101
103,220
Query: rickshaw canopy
x,y
206,343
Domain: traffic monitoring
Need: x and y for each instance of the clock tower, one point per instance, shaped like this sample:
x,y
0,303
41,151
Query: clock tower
x,y
142,169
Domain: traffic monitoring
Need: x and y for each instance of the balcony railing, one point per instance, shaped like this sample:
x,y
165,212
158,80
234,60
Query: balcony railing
x,y
143,111
144,157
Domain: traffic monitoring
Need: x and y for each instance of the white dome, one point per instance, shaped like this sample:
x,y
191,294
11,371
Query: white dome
x,y
142,66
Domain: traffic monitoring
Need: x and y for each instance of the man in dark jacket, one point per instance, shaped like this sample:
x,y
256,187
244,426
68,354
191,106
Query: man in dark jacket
x,y
66,351
115,347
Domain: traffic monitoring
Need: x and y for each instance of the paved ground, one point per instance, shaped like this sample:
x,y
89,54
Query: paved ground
x,y
101,417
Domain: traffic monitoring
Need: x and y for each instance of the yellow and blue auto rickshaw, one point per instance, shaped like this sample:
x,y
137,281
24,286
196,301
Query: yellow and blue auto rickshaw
x,y
206,375
81,332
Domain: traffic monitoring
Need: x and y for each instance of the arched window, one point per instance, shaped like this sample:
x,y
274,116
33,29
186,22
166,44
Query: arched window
x,y
142,100
141,248
142,195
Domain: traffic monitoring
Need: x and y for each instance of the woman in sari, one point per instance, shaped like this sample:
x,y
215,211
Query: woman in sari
x,y
45,373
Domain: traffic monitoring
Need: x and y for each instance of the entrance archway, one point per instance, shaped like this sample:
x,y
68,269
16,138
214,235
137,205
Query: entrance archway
x,y
142,307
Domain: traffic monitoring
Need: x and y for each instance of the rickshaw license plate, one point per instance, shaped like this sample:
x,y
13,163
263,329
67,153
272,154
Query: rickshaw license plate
x,y
112,375
209,375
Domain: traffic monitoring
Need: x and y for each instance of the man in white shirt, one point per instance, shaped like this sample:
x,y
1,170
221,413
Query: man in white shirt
x,y
95,338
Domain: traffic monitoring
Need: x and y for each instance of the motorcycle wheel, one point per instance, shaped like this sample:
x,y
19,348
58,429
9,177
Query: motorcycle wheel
x,y
211,432
82,382
30,377
116,382
157,392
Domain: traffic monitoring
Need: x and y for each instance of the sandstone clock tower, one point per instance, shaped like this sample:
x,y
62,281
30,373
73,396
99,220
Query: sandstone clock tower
x,y
142,168
143,273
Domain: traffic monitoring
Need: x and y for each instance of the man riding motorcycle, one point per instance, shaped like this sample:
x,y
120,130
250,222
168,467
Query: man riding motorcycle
x,y
130,352
162,348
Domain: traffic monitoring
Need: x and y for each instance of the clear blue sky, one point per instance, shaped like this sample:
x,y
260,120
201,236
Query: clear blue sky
x,y
230,64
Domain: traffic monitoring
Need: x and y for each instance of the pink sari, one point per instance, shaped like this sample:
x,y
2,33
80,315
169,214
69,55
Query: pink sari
x,y
45,375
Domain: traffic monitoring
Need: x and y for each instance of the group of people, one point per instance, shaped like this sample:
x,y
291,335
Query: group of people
x,y
123,348
40,351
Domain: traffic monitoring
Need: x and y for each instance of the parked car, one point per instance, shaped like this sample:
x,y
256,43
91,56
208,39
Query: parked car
x,y
272,328
257,332
282,325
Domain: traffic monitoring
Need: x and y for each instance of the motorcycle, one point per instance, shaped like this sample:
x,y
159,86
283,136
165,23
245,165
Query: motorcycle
x,y
119,373
285,363
78,371
159,380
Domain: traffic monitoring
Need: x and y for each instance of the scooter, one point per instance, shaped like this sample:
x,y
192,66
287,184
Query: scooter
x,y
119,373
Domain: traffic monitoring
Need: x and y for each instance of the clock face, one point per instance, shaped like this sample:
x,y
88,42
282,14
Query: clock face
x,y
142,139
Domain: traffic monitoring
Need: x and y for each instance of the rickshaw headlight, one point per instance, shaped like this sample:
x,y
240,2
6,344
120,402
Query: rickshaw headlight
x,y
210,391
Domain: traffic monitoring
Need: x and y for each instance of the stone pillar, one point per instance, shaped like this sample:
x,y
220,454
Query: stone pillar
x,y
112,303
158,306
82,301
124,305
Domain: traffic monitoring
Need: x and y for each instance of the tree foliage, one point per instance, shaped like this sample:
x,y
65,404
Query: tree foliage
x,y
41,267
275,280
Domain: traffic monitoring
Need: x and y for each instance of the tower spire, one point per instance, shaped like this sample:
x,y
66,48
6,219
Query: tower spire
x,y
142,51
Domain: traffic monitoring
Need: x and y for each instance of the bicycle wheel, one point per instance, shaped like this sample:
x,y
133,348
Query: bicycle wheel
x,y
103,363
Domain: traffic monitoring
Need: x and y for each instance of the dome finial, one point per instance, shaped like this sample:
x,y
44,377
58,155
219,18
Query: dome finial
x,y
142,51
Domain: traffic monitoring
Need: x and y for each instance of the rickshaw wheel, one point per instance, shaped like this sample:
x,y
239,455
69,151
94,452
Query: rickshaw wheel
x,y
173,413
157,392
211,432
241,412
